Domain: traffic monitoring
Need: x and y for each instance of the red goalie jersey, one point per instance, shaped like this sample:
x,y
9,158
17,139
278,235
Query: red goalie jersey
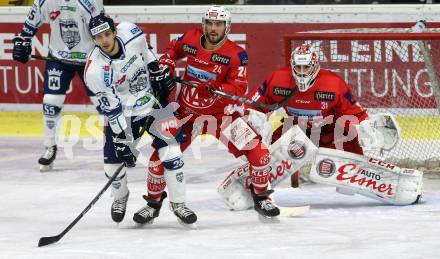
x,y
224,68
321,106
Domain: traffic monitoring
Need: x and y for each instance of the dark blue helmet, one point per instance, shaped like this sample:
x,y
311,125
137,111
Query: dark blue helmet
x,y
101,23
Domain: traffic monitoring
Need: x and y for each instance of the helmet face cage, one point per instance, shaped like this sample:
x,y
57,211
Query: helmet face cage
x,y
305,66
101,23
218,13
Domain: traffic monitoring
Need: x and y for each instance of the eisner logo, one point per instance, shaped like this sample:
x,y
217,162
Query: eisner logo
x,y
357,175
280,170
326,168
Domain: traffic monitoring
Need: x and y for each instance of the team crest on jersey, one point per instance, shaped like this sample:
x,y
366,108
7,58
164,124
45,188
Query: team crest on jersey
x,y
325,96
70,33
190,50
139,81
191,98
54,79
220,59
281,91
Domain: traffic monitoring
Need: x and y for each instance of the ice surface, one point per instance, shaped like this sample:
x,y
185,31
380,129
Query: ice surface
x,y
35,204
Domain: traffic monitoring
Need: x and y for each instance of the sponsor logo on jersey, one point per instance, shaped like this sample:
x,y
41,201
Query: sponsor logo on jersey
x,y
326,168
325,96
281,91
54,15
190,50
220,59
243,58
200,74
135,30
349,97
72,55
68,8
142,101
69,32
126,66
200,61
302,101
303,113
106,76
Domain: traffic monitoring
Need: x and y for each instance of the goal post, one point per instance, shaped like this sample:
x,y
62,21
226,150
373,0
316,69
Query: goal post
x,y
388,70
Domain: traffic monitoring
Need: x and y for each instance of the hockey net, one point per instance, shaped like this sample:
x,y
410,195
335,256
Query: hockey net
x,y
389,70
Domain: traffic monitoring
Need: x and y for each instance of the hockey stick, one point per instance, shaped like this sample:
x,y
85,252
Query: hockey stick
x,y
52,239
271,107
294,211
52,59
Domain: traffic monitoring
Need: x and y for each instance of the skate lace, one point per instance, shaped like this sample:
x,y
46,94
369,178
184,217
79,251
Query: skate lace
x,y
181,210
119,205
267,205
49,152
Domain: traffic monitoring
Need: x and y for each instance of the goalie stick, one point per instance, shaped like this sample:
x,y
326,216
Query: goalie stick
x,y
52,239
52,59
270,107
294,211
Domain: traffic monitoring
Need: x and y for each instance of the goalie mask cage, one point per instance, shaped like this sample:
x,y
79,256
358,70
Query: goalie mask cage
x,y
388,71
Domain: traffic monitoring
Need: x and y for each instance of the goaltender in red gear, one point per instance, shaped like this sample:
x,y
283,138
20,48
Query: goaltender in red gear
x,y
213,61
321,98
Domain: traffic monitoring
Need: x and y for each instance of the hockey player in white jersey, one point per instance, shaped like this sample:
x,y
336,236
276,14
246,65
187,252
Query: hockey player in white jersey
x,y
125,76
70,42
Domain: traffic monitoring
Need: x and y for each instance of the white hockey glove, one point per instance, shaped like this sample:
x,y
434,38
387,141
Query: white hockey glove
x,y
380,131
261,124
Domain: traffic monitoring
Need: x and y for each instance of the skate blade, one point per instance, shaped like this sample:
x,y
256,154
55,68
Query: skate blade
x,y
46,168
268,220
188,226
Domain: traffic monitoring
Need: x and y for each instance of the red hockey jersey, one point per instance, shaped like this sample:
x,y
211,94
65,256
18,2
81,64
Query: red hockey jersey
x,y
329,98
226,66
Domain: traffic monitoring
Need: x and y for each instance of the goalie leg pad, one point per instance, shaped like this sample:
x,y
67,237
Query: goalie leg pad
x,y
367,176
234,189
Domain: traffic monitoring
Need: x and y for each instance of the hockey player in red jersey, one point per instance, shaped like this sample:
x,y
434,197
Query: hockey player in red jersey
x,y
213,61
321,98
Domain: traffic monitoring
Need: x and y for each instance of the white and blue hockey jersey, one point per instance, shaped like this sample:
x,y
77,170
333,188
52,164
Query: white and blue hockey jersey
x,y
122,85
70,38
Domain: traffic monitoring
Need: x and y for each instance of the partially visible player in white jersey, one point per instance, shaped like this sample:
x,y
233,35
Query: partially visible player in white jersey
x,y
125,76
70,42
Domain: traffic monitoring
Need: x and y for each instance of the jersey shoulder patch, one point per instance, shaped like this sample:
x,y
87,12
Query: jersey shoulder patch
x,y
128,31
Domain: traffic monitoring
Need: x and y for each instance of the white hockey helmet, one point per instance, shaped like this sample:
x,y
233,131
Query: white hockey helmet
x,y
218,13
305,66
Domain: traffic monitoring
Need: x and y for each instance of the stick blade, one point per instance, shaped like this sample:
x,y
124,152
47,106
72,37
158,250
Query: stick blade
x,y
44,241
294,211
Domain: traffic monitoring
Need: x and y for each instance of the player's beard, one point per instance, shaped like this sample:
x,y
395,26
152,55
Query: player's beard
x,y
218,38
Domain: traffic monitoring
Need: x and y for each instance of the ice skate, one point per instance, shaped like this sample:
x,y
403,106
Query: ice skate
x,y
149,212
184,215
46,160
118,208
263,205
